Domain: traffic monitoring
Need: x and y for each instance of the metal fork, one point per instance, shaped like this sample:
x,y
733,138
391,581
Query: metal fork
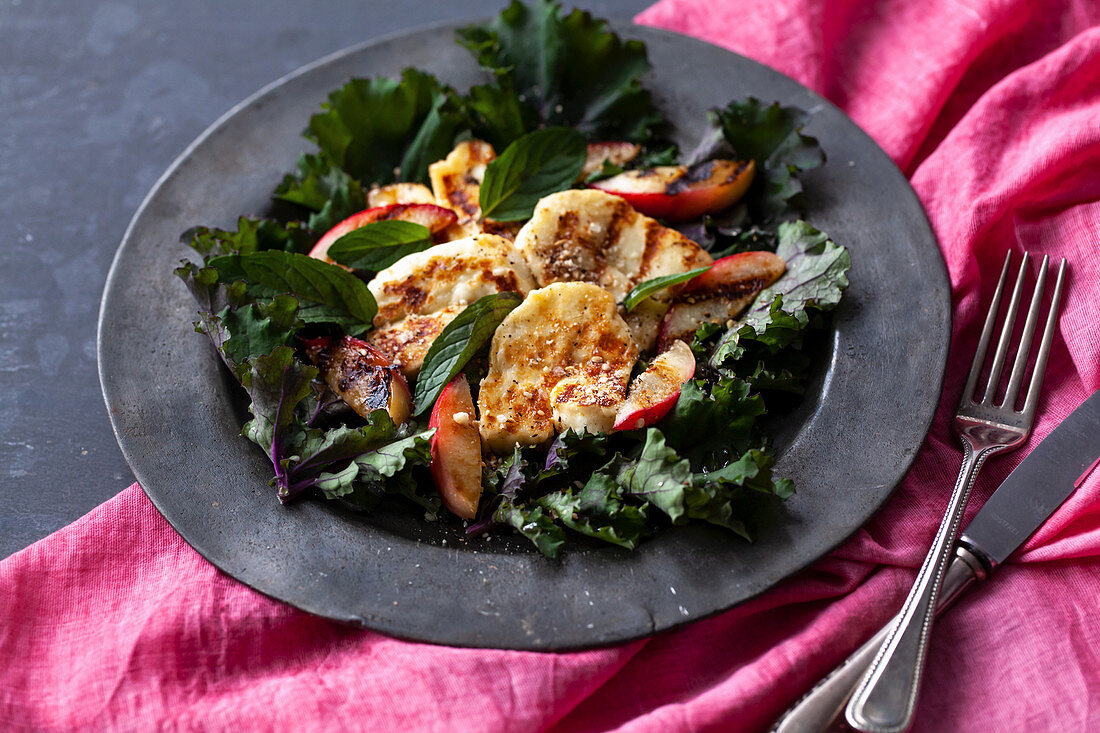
x,y
885,700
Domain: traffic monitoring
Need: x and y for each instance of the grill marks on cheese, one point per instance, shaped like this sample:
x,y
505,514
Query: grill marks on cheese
x,y
456,184
562,359
593,236
423,292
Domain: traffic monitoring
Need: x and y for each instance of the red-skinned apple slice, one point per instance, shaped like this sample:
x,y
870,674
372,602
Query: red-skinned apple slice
x,y
719,294
615,153
361,375
682,193
435,218
656,390
456,449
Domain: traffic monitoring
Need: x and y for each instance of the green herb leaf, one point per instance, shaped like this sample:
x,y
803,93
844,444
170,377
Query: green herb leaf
x,y
713,423
257,329
659,476
814,282
369,127
646,288
536,165
377,245
326,190
599,511
772,136
534,523
569,70
252,235
458,342
326,293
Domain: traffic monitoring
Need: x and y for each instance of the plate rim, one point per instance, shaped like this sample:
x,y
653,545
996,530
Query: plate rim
x,y
114,275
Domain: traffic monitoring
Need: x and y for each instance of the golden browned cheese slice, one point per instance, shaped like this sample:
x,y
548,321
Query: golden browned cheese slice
x,y
420,294
456,184
560,360
400,193
593,236
406,342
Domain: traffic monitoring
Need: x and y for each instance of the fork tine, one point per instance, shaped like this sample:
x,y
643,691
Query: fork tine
x,y
1044,346
1006,335
1024,348
987,331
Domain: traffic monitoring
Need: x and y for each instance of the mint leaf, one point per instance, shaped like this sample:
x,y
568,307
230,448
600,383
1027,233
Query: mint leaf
x,y
568,70
536,165
771,136
326,293
369,127
458,342
659,476
326,190
377,245
646,288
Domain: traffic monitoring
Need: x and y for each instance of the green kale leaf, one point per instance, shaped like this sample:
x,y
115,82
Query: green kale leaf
x,y
565,70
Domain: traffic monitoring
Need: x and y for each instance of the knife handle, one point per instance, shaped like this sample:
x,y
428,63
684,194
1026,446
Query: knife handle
x,y
821,706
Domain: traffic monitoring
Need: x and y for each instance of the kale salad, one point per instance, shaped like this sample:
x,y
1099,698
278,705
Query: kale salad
x,y
519,307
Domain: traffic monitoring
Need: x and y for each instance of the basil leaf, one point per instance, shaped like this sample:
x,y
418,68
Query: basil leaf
x,y
378,245
535,165
326,293
458,342
644,289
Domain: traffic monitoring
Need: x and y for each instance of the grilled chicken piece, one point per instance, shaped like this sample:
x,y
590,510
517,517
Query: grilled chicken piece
x,y
562,359
423,292
362,376
592,236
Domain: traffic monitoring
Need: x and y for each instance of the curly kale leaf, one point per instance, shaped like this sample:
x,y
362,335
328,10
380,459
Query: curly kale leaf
x,y
771,136
373,127
562,69
326,190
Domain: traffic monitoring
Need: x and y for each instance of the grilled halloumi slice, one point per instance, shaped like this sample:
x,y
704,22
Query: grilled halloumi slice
x,y
406,342
456,183
400,193
420,294
593,236
562,359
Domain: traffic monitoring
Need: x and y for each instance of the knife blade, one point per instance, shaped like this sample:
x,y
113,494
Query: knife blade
x,y
1019,506
1038,486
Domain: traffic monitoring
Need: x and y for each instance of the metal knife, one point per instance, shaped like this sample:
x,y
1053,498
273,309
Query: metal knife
x,y
1019,506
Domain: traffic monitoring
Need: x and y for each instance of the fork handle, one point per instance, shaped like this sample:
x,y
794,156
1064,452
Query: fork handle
x,y
821,706
885,700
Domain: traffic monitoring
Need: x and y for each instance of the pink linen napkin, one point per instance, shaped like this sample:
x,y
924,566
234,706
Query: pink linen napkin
x,y
991,107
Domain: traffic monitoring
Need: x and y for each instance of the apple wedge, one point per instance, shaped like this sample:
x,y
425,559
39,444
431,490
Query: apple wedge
x,y
456,449
361,375
682,193
655,391
435,218
615,153
719,294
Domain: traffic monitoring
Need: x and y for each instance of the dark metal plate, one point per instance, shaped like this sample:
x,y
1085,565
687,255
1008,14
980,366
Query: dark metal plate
x,y
177,417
